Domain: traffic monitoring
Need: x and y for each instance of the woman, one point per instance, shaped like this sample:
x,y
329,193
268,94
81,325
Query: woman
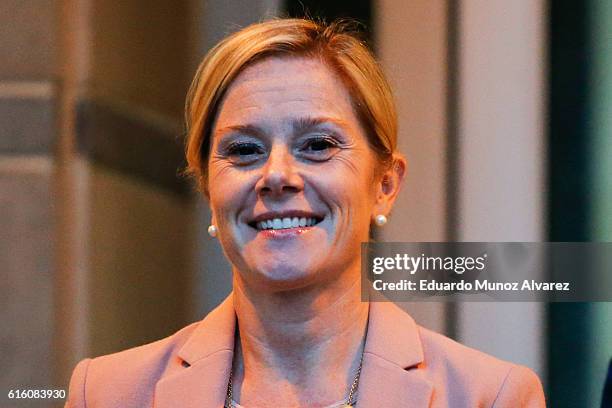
x,y
292,139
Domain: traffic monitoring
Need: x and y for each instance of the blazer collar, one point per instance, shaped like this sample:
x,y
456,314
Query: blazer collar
x,y
390,375
207,361
393,335
216,332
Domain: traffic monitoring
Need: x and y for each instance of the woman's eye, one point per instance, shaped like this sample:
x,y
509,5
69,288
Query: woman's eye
x,y
318,145
244,152
319,148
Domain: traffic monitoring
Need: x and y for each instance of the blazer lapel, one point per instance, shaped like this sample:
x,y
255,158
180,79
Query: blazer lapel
x,y
390,376
202,385
207,361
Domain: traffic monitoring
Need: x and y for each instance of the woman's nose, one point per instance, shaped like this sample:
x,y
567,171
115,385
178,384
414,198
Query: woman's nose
x,y
280,174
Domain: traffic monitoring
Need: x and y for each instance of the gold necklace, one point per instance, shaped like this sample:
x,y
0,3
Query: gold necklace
x,y
350,401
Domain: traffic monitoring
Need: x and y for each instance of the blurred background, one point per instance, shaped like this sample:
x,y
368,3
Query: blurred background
x,y
505,114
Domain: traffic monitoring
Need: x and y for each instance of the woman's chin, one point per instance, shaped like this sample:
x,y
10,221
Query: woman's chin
x,y
283,277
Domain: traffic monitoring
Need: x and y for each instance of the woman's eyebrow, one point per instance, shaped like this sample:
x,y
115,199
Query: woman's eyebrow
x,y
304,124
299,126
248,129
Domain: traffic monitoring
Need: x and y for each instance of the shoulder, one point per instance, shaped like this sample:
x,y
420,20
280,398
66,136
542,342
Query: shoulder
x,y
462,373
126,378
129,378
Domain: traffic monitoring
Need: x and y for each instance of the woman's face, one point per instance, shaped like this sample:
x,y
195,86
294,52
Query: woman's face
x,y
292,179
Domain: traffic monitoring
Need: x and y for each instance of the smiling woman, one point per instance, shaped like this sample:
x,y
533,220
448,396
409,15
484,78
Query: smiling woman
x,y
292,140
288,138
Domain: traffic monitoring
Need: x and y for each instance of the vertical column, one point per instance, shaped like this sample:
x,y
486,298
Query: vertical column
x,y
125,219
28,134
71,185
569,204
502,158
600,164
411,41
138,212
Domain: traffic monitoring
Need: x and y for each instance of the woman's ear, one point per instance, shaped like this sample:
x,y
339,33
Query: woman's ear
x,y
389,185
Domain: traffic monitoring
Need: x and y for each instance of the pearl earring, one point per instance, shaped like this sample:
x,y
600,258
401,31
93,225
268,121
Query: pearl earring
x,y
212,230
380,220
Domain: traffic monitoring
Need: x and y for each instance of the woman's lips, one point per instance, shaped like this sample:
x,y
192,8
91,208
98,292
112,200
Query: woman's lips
x,y
284,233
278,223
285,227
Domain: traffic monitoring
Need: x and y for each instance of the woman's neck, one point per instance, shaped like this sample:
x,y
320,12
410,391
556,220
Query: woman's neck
x,y
298,348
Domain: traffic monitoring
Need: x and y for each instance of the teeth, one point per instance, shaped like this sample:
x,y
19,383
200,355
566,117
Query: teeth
x,y
278,223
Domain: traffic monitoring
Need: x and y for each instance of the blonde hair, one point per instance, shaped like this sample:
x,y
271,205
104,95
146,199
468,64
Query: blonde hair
x,y
336,44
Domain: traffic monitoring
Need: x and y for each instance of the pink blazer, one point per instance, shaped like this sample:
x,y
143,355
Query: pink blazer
x,y
404,365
